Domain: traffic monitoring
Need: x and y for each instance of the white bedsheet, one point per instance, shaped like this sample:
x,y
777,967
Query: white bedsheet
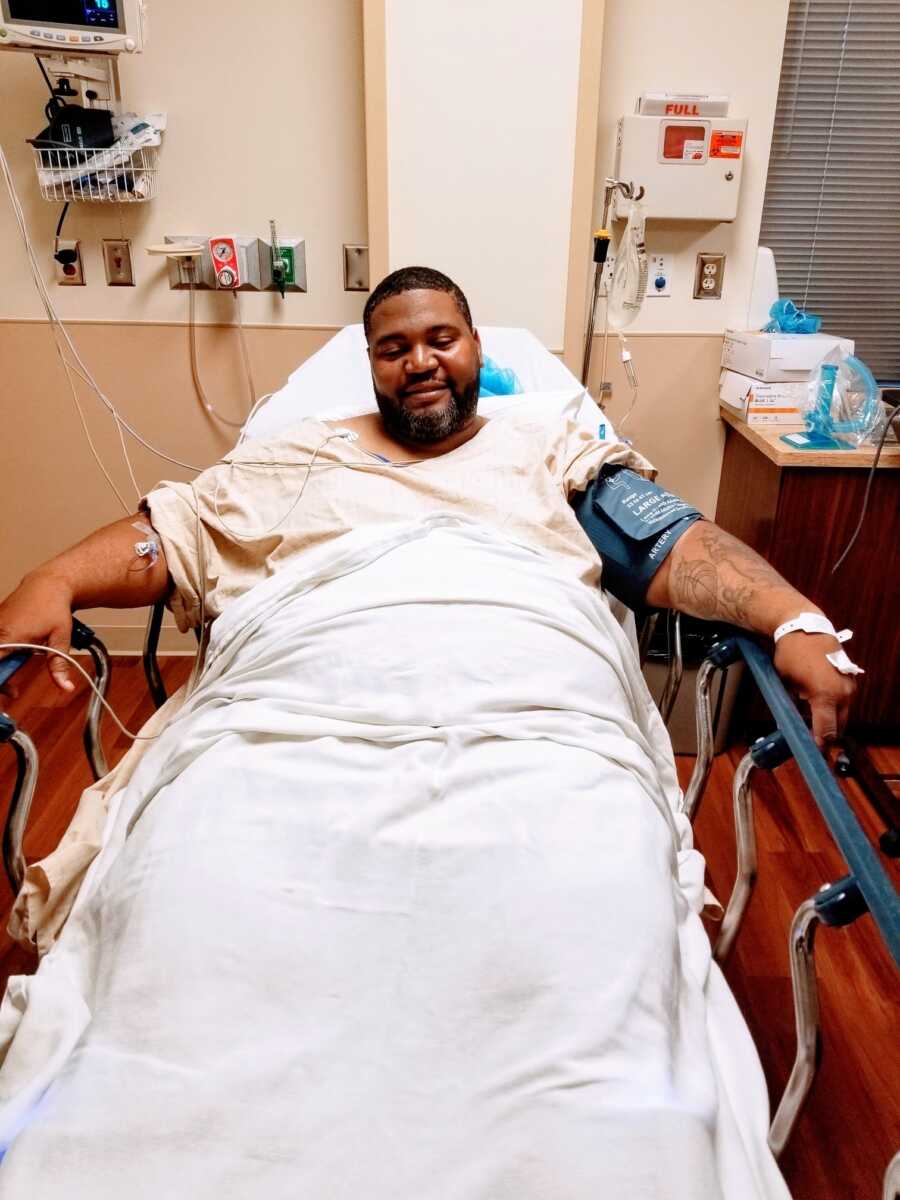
x,y
397,909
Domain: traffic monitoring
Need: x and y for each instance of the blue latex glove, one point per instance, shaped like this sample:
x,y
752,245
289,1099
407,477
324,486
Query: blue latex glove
x,y
788,318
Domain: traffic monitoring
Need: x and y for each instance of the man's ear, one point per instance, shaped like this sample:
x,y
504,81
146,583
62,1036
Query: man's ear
x,y
477,338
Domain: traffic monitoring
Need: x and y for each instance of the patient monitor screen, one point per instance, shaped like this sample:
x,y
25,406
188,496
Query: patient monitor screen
x,y
73,14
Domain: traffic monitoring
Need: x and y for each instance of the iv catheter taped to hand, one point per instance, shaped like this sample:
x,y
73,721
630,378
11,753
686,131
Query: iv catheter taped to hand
x,y
149,548
633,525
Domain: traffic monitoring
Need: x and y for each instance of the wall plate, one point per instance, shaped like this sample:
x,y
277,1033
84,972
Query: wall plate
x,y
709,276
659,281
356,268
68,263
117,262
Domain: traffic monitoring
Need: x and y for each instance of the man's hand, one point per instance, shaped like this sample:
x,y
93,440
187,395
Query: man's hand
x,y
711,574
40,611
800,660
103,571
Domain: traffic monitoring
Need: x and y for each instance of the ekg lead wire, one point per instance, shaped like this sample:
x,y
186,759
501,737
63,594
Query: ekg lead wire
x,y
245,350
135,737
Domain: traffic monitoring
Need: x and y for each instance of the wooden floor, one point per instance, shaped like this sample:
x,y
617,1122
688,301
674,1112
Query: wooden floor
x,y
851,1125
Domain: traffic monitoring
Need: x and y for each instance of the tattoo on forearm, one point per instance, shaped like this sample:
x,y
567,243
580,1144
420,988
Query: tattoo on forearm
x,y
727,580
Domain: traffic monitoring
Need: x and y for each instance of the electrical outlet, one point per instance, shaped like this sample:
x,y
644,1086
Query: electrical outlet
x,y
69,265
709,276
117,262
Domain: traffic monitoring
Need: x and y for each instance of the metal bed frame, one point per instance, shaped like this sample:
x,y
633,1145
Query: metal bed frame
x,y
865,888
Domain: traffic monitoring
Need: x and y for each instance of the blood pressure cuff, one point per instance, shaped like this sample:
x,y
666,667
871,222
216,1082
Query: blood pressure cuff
x,y
633,524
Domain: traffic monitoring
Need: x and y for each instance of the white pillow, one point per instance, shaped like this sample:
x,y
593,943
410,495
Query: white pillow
x,y
336,382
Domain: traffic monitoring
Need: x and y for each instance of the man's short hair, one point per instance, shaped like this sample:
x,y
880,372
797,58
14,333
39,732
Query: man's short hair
x,y
412,279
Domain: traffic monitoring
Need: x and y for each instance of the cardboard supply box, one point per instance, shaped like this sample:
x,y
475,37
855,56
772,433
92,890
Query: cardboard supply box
x,y
779,357
764,403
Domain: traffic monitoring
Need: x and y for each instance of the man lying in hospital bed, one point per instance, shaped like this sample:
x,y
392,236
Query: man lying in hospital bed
x,y
397,902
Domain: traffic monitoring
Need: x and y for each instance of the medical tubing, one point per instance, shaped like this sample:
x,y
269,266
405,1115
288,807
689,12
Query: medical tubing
x,y
59,329
892,416
631,375
245,351
603,358
195,367
135,737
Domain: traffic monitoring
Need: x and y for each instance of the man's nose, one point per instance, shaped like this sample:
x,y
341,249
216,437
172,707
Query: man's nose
x,y
420,358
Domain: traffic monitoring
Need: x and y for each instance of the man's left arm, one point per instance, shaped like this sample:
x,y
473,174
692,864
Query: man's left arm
x,y
710,574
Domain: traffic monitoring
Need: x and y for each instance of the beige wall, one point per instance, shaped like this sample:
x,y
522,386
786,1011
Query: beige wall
x,y
481,107
282,139
53,493
673,424
286,140
700,46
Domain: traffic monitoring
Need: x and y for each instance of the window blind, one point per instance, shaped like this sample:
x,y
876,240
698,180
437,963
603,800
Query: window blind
x,y
832,206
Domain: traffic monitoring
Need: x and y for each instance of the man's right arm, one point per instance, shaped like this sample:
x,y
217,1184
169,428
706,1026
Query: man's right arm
x,y
102,571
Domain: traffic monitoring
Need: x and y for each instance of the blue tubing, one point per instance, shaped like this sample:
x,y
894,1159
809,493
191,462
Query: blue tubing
x,y
877,890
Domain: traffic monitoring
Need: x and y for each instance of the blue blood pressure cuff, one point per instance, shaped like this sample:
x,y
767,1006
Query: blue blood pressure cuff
x,y
633,524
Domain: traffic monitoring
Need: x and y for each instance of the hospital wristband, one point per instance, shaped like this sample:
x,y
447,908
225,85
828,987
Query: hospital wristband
x,y
810,622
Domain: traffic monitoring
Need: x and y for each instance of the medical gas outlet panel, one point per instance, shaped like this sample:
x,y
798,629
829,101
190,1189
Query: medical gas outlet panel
x,y
225,262
687,152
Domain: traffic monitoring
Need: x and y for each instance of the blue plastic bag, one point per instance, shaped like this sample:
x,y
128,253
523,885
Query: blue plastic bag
x,y
498,381
788,318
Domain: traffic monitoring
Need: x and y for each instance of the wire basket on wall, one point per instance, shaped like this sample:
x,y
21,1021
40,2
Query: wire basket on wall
x,y
105,176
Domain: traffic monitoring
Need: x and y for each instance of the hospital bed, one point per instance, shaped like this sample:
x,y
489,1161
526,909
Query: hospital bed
x,y
340,371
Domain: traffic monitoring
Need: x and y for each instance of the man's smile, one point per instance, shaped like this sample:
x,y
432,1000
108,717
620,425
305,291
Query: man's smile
x,y
430,390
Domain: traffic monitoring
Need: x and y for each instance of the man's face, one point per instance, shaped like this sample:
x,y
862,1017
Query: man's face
x,y
425,363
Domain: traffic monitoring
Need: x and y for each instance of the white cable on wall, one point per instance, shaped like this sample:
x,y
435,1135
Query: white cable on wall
x,y
64,344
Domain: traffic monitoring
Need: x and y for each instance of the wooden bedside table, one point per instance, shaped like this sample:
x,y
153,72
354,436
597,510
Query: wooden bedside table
x,y
798,509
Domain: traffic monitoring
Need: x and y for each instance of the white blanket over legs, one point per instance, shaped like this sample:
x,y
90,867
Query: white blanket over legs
x,y
396,909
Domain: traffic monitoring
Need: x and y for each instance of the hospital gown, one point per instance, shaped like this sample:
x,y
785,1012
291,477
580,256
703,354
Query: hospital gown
x,y
398,904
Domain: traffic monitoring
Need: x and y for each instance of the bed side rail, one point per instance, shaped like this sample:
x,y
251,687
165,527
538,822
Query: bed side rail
x,y
866,887
83,638
152,673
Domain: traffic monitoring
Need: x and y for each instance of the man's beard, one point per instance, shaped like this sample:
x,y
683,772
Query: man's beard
x,y
421,428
